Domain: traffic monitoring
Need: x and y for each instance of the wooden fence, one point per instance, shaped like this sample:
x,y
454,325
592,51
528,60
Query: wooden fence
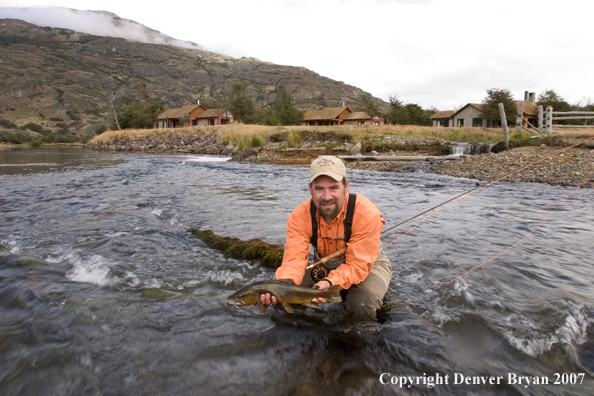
x,y
546,120
552,116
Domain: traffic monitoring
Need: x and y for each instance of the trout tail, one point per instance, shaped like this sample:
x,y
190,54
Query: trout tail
x,y
332,294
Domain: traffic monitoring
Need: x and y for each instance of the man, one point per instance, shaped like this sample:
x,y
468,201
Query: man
x,y
364,272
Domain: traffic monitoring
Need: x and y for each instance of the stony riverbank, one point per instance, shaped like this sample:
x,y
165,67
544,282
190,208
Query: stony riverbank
x,y
568,168
565,169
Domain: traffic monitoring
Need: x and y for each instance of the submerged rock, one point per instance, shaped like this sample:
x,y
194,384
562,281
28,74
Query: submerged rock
x,y
270,256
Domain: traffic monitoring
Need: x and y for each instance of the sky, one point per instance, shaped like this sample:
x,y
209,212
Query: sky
x,y
435,53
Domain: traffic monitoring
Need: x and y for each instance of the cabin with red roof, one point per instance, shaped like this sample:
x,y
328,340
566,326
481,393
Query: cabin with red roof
x,y
193,115
338,116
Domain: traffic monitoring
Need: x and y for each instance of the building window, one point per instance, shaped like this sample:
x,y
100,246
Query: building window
x,y
477,122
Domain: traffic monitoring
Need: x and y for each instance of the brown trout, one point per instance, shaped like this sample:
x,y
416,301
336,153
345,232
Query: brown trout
x,y
285,293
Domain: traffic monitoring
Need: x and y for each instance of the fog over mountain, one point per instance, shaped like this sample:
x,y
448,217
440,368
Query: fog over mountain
x,y
100,23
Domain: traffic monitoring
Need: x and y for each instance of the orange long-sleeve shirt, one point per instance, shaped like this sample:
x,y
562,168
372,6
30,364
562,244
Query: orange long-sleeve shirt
x,y
363,246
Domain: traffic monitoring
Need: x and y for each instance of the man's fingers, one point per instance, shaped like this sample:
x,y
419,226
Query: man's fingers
x,y
318,300
267,299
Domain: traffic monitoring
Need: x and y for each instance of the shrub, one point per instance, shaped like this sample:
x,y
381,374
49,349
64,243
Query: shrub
x,y
257,141
35,143
93,111
72,115
100,129
294,139
7,124
14,138
239,142
33,127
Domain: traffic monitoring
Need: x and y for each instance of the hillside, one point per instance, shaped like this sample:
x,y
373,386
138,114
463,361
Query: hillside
x,y
61,80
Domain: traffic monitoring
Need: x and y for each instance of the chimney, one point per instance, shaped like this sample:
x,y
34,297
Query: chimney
x,y
198,101
526,96
343,105
532,97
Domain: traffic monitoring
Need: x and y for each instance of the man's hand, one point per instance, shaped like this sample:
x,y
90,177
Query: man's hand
x,y
266,299
323,284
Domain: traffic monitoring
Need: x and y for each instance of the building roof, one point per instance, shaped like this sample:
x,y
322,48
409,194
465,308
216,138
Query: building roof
x,y
178,113
358,115
214,113
529,108
477,106
443,114
329,113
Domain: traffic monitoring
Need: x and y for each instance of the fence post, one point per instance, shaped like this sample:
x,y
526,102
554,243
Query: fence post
x,y
519,116
504,125
549,120
541,122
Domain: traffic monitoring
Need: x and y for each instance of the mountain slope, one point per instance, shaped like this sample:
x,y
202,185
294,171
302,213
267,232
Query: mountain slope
x,y
62,80
98,23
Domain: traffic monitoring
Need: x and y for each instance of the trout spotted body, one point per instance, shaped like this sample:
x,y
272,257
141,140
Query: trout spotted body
x,y
285,294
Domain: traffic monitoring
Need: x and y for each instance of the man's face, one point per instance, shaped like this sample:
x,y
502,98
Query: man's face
x,y
328,195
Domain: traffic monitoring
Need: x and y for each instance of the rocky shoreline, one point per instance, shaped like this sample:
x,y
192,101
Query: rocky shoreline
x,y
568,168
564,169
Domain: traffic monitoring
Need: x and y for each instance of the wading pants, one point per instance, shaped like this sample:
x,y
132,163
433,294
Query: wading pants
x,y
361,301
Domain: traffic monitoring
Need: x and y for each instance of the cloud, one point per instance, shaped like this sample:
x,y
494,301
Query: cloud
x,y
100,23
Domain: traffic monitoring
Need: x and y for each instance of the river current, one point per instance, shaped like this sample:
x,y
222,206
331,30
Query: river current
x,y
103,291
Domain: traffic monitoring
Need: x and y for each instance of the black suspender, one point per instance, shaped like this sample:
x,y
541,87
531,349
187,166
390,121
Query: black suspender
x,y
314,225
348,221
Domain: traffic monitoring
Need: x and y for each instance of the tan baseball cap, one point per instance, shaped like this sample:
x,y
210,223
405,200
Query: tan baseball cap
x,y
327,165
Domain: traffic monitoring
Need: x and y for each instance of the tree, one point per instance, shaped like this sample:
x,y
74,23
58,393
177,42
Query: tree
x,y
490,109
395,115
416,115
365,103
550,98
111,98
584,104
409,114
141,113
241,106
283,110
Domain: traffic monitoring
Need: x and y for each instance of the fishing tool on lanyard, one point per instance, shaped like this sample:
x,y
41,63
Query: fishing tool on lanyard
x,y
318,270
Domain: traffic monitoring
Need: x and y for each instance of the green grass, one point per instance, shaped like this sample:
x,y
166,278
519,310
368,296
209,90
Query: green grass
x,y
478,136
293,139
256,141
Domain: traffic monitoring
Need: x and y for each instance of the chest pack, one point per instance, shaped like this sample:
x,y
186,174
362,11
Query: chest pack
x,y
348,220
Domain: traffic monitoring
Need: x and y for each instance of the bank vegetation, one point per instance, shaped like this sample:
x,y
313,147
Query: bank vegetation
x,y
249,134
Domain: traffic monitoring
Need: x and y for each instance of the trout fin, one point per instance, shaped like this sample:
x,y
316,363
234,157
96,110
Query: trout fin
x,y
288,307
333,294
311,304
262,307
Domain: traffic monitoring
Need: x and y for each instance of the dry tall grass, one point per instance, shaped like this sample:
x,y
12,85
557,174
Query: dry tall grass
x,y
242,134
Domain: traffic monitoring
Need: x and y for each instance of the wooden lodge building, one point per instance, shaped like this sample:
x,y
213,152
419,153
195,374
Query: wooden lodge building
x,y
193,115
470,116
338,116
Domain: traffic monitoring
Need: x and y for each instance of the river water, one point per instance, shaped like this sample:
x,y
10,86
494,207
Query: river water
x,y
103,291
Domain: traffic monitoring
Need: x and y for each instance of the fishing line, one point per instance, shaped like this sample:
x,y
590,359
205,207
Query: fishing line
x,y
527,235
465,194
459,197
428,210
449,202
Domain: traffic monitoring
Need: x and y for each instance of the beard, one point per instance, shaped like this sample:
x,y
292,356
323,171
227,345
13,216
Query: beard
x,y
328,212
